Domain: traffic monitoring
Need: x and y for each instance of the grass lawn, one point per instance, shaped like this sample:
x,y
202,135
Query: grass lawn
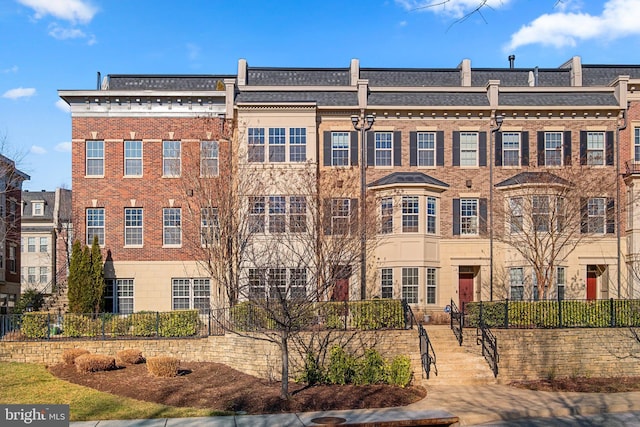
x,y
24,383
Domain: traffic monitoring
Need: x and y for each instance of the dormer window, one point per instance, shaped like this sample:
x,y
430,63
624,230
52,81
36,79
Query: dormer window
x,y
37,208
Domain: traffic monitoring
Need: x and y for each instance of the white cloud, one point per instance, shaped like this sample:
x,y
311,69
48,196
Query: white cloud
x,y
36,149
63,147
619,18
403,23
454,8
193,51
60,33
13,69
67,10
19,92
62,105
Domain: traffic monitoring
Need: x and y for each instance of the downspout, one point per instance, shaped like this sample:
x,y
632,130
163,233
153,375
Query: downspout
x,y
620,127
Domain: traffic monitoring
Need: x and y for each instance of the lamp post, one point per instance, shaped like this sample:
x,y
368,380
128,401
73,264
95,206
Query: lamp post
x,y
498,124
363,123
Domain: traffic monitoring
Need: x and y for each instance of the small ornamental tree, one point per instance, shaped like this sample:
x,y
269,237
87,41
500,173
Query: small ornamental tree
x,y
86,279
97,284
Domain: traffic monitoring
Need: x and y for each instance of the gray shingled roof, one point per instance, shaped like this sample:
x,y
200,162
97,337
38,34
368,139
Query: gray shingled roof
x,y
166,82
408,178
411,77
320,97
49,197
298,77
533,178
516,77
542,99
437,99
602,75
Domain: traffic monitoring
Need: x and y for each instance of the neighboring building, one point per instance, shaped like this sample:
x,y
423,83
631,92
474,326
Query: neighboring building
x,y
46,239
11,180
453,192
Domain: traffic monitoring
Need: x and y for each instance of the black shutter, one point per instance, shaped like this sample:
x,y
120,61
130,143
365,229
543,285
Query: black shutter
x,y
354,215
525,148
567,148
326,148
371,149
354,148
397,148
498,151
540,148
456,217
482,149
482,220
611,215
440,148
584,216
609,148
413,148
583,147
326,216
456,148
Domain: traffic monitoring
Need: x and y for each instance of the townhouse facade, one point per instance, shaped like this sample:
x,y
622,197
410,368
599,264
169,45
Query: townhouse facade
x,y
444,178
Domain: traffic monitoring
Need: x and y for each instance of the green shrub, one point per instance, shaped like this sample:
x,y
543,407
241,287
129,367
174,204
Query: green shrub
x,y
35,325
333,314
116,325
370,369
80,325
312,372
399,371
377,314
179,323
144,323
341,368
248,316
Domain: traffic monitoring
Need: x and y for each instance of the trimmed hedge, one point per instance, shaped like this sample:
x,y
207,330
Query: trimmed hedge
x,y
129,356
35,325
94,363
70,355
163,366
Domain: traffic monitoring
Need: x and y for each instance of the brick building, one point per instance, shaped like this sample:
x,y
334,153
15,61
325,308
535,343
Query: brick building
x,y
461,170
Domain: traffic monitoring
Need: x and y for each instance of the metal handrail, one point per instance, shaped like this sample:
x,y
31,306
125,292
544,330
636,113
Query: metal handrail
x,y
489,343
427,353
457,322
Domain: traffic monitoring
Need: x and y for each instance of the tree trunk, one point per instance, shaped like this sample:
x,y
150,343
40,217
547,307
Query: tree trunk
x,y
284,350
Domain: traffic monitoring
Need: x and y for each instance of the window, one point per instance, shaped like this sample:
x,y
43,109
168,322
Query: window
x,y
431,285
189,294
516,215
133,158
386,282
468,149
95,225
209,226
12,259
133,226
636,144
511,149
340,215
297,145
277,140
31,244
426,148
297,214
468,216
560,281
119,296
172,226
257,283
278,283
595,148
340,148
409,214
410,284
516,283
596,215
256,145
553,148
298,280
431,215
256,214
383,148
171,155
44,275
31,275
540,213
44,244
37,208
95,158
386,211
209,158
277,214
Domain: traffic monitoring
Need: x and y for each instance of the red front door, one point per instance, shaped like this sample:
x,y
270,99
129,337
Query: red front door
x,y
592,282
341,285
465,285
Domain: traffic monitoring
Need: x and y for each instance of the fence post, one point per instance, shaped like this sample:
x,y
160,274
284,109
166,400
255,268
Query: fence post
x,y
48,325
480,320
157,323
612,313
559,311
506,313
103,320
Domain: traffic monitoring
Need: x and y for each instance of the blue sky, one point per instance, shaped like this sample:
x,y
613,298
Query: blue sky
x,y
61,44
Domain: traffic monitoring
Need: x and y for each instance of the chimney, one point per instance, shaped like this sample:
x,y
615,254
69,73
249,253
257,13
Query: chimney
x,y
512,59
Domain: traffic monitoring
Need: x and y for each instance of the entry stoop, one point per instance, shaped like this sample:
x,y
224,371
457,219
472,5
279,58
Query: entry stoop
x,y
455,364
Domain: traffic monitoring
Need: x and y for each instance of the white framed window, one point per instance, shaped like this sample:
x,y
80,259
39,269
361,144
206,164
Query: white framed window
x,y
257,278
516,214
386,283
431,285
37,208
410,214
133,158
410,284
297,214
133,218
209,226
595,148
386,212
255,143
44,244
298,283
468,148
340,216
277,214
119,296
171,226
256,214
468,216
553,148
171,158
277,280
44,275
540,213
426,145
511,149
190,293
340,148
636,144
95,225
277,145
95,157
596,212
209,158
561,281
31,244
298,145
31,275
11,262
383,148
432,219
516,283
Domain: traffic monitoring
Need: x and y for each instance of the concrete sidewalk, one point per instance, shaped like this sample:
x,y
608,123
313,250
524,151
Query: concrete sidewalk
x,y
444,405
